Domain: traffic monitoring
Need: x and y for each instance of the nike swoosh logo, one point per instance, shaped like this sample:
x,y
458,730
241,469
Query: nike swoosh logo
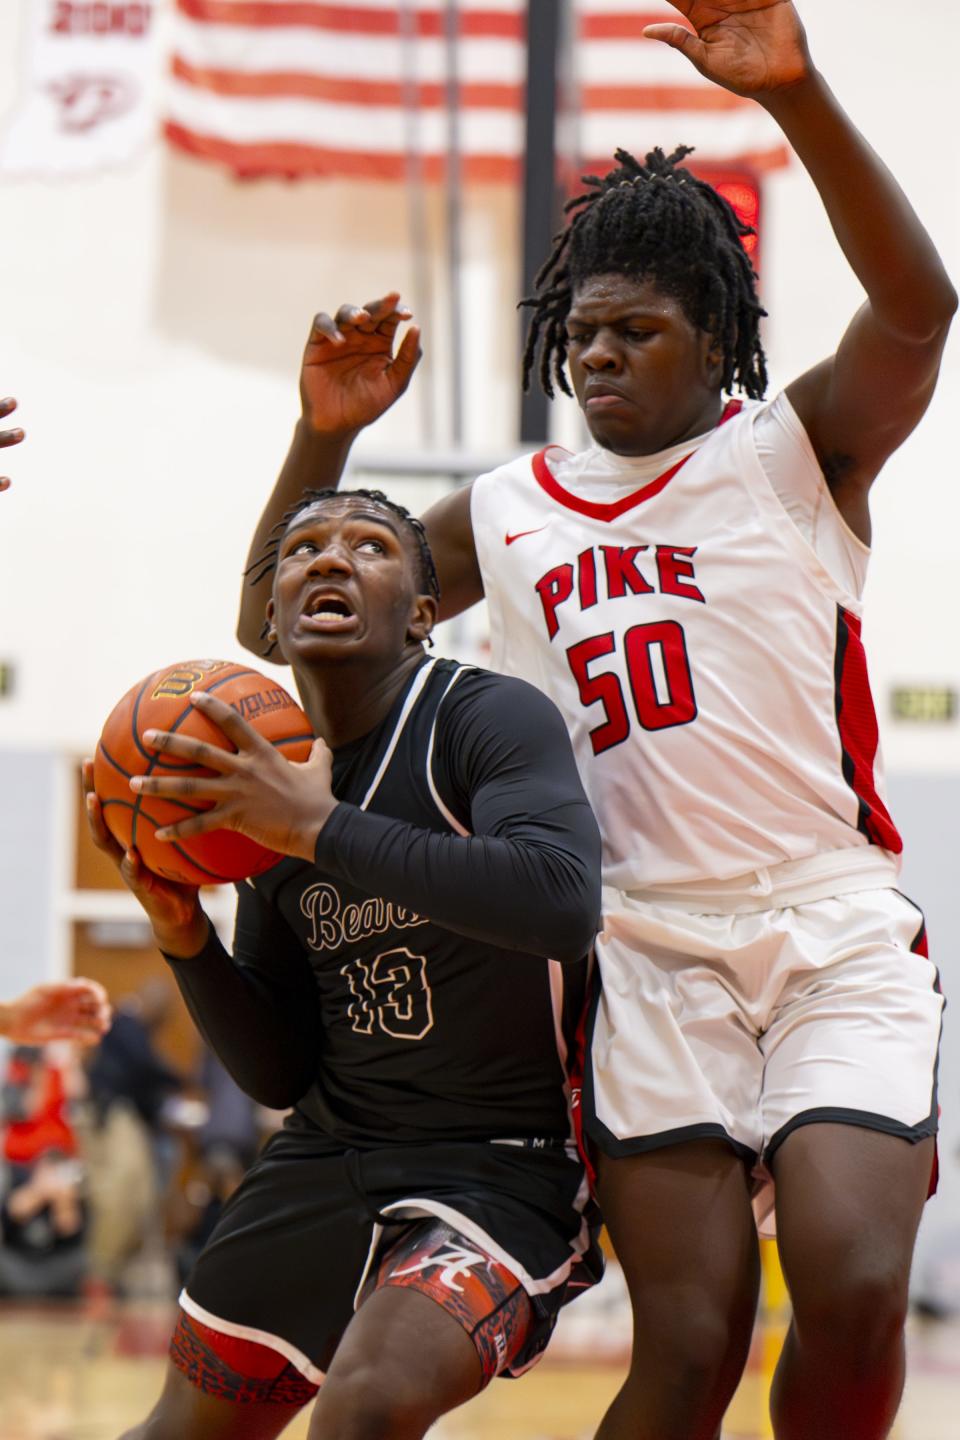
x,y
509,539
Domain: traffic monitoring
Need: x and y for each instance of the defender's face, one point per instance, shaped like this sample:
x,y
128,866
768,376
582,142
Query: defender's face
x,y
345,585
645,376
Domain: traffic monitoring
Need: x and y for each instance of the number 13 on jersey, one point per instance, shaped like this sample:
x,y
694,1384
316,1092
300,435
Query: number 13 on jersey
x,y
392,995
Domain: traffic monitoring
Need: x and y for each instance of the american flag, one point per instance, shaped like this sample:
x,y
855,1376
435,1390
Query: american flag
x,y
297,88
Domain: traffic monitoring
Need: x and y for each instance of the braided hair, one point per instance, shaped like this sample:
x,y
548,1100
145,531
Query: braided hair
x,y
655,221
266,561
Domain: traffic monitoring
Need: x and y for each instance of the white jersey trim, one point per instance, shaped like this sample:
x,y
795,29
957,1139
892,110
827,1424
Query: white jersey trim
x,y
413,695
447,814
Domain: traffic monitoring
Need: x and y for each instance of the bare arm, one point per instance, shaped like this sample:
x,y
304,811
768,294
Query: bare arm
x,y
59,1010
8,437
313,460
861,403
348,378
450,533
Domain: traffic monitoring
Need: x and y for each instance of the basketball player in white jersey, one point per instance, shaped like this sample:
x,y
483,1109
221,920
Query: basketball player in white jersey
x,y
688,590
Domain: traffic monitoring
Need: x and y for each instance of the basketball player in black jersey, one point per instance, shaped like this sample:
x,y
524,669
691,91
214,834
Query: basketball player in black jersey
x,y
410,980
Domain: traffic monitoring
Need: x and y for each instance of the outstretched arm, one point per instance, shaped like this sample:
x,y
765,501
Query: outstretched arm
x,y
348,378
861,403
350,375
8,437
59,1010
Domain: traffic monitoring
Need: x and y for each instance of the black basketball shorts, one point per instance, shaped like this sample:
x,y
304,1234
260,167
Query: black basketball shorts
x,y
314,1228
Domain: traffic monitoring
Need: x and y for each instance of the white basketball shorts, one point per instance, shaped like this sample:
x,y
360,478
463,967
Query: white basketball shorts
x,y
744,1027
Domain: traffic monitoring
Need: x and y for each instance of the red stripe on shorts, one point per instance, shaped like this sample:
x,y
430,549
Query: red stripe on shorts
x,y
232,1368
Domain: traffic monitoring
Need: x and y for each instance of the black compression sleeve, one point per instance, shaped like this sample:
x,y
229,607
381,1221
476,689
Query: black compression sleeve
x,y
259,1011
528,878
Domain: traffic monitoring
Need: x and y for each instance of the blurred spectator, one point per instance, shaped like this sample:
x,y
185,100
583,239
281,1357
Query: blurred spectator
x,y
231,1130
42,1210
129,1155
228,1142
34,1102
127,1066
43,1222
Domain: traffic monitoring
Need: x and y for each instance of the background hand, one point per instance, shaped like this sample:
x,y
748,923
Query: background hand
x,y
257,791
750,47
8,437
61,1010
350,374
179,924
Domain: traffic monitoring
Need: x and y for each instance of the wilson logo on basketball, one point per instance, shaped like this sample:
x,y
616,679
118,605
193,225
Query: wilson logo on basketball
x,y
248,707
186,678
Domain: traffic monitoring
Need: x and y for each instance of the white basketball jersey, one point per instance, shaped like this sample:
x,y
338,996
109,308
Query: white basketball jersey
x,y
707,663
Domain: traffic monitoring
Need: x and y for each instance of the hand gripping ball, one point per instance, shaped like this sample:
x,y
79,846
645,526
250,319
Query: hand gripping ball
x,y
162,702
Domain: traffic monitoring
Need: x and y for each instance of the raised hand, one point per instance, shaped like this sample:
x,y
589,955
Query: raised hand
x,y
8,437
257,791
350,374
179,924
751,47
61,1010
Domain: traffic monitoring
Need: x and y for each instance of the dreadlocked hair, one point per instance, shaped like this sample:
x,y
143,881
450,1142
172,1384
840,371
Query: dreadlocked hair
x,y
266,561
653,221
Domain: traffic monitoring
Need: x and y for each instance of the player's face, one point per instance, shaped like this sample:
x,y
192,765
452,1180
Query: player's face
x,y
346,586
644,375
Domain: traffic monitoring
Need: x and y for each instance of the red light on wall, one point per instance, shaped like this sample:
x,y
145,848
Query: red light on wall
x,y
746,202
736,183
741,187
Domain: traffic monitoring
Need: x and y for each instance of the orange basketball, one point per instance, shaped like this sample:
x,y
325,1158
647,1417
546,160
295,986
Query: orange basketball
x,y
162,702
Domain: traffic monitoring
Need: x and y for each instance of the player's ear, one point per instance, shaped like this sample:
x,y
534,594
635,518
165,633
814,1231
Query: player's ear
x,y
423,617
271,627
711,354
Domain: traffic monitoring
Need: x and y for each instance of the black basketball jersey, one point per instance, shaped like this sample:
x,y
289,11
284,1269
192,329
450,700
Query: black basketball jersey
x,y
424,1033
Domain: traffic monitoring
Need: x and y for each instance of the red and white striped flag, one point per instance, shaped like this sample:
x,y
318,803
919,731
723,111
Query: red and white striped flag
x,y
299,87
